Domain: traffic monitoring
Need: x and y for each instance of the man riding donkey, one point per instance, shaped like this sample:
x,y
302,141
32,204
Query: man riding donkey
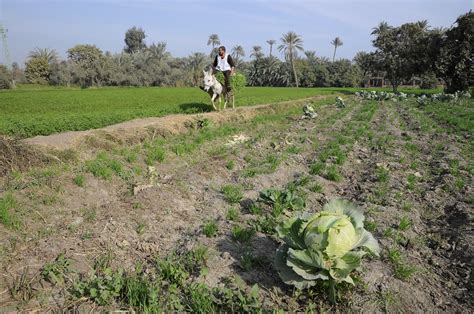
x,y
224,63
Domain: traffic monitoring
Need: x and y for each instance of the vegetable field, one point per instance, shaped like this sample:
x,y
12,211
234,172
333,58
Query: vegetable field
x,y
28,112
364,207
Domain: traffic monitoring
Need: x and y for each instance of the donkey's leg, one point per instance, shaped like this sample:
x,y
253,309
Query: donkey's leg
x,y
213,98
226,98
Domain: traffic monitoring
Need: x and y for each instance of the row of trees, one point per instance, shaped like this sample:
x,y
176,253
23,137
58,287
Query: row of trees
x,y
416,50
401,53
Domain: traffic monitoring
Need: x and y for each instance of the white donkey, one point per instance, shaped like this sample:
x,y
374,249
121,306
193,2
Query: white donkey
x,y
215,89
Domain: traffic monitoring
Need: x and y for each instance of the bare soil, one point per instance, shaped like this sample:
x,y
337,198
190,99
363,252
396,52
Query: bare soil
x,y
169,216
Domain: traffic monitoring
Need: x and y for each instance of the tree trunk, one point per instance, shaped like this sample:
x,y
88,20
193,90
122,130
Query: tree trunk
x,y
334,55
270,51
294,70
395,87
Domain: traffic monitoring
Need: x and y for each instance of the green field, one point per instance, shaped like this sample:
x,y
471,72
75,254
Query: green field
x,y
31,111
34,110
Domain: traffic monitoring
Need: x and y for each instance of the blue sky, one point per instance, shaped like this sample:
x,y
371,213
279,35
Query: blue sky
x,y
186,24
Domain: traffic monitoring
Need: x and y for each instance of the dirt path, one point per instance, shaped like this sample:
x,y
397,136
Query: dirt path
x,y
135,130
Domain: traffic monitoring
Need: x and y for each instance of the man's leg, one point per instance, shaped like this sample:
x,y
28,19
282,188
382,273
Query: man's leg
x,y
227,86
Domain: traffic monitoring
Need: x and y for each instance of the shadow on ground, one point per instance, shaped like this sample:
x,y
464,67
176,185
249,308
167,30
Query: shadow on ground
x,y
260,270
195,107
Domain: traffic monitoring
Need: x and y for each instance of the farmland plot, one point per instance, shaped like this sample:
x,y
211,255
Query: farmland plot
x,y
186,222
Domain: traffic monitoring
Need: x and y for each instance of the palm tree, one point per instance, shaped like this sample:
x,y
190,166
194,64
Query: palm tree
x,y
383,26
337,42
213,41
238,53
256,52
271,42
44,53
197,62
423,25
310,55
291,43
159,52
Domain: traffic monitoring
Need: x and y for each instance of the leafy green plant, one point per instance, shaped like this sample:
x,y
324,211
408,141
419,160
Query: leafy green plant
x,y
100,288
210,228
242,235
317,168
281,200
79,180
103,166
254,209
323,246
333,174
237,81
55,271
316,188
401,269
232,193
232,214
7,216
404,224
230,164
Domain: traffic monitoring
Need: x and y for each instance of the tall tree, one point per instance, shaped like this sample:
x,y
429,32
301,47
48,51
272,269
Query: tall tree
x,y
366,61
38,67
158,51
50,55
256,52
290,44
381,28
134,40
238,53
87,62
213,41
337,42
310,56
271,42
401,51
454,63
197,62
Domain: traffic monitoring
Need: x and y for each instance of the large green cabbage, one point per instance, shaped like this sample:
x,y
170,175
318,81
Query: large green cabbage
x,y
328,245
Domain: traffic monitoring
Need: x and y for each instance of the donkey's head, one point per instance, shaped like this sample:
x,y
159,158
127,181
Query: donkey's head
x,y
209,80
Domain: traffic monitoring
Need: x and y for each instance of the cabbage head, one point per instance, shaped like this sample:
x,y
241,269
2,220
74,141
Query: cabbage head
x,y
328,245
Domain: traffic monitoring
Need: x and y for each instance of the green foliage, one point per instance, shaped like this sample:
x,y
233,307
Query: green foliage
x,y
232,193
404,224
79,180
332,173
402,270
232,214
237,81
37,70
323,246
317,188
230,164
5,78
134,40
100,288
27,112
55,271
210,228
103,166
281,200
454,59
154,153
402,51
8,217
242,234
